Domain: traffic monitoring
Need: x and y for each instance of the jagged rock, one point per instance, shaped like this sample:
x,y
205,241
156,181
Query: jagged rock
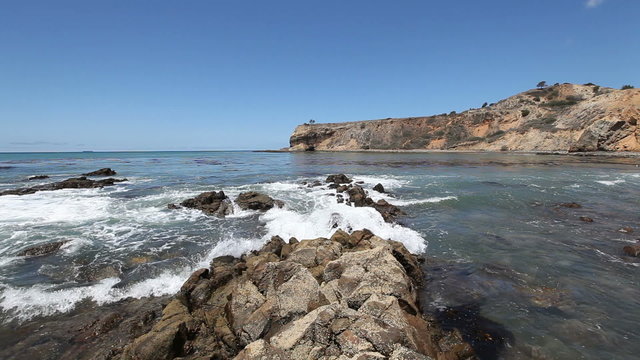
x,y
43,249
166,339
257,201
379,188
388,211
349,297
73,183
338,179
38,177
101,172
211,203
358,196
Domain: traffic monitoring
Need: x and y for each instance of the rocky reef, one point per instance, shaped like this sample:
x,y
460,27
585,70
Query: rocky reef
x,y
73,183
352,296
562,117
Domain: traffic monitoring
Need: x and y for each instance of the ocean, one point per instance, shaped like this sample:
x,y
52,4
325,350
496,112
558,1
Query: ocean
x,y
501,255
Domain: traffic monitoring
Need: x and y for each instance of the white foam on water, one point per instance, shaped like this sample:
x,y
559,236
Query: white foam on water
x,y
67,205
435,199
308,213
326,216
610,182
387,182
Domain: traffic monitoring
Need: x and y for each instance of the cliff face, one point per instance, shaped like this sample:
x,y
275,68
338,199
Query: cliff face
x,y
562,117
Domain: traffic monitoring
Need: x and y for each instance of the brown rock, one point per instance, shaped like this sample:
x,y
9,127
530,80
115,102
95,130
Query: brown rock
x,y
586,219
253,200
632,250
338,179
211,203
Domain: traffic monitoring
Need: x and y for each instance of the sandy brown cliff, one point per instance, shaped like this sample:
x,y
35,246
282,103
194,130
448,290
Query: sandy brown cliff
x,y
563,117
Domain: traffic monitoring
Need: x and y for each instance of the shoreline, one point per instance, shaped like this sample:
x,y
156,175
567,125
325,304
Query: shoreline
x,y
624,154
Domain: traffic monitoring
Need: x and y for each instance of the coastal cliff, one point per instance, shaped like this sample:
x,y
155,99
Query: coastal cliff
x,y
562,117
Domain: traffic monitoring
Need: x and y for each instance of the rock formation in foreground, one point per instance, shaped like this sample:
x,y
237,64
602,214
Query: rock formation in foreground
x,y
563,117
349,297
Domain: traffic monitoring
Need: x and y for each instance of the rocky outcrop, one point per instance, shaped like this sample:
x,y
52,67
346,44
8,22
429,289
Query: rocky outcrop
x,y
349,297
42,249
253,200
210,202
563,117
73,183
101,172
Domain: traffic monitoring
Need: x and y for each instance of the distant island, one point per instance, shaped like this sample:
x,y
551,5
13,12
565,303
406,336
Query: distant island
x,y
559,118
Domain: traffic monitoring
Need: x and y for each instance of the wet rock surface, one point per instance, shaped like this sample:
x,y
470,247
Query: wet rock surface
x,y
86,333
253,200
358,197
73,183
43,249
101,172
349,297
211,203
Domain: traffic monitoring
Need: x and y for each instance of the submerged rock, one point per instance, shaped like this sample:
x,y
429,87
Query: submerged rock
x,y
254,200
626,230
570,205
101,172
352,296
43,249
38,177
210,202
586,219
632,250
73,183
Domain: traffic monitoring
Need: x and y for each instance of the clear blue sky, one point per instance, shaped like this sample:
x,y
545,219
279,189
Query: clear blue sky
x,y
191,75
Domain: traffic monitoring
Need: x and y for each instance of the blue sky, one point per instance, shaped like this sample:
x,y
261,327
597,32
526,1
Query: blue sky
x,y
197,75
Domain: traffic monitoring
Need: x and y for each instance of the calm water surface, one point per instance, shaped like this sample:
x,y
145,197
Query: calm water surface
x,y
504,262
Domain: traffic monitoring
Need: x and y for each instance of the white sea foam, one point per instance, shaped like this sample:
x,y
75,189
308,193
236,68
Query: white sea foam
x,y
68,206
610,182
435,199
120,224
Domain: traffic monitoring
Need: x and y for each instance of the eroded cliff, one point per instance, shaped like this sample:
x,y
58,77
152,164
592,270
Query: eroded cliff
x,y
562,117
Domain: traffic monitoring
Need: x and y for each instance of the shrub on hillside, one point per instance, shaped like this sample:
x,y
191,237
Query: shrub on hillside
x,y
524,112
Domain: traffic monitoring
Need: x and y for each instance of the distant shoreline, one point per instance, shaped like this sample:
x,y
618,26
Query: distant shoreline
x,y
625,154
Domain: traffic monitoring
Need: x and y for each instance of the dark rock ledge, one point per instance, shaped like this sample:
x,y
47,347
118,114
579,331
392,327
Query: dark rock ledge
x,y
349,297
73,183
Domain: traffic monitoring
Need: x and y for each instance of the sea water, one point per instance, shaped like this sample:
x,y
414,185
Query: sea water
x,y
499,250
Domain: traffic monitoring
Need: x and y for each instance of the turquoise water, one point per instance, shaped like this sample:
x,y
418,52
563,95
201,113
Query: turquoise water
x,y
541,282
